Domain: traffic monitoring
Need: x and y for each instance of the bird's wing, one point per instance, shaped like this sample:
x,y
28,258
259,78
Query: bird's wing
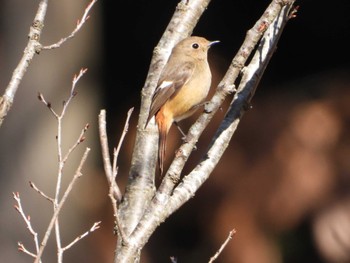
x,y
169,84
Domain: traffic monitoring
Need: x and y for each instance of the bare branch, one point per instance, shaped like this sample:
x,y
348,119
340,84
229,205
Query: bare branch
x,y
105,154
141,187
32,185
80,24
118,225
80,139
225,87
95,226
21,248
32,48
26,219
62,159
47,104
168,199
111,171
76,176
121,140
250,79
228,239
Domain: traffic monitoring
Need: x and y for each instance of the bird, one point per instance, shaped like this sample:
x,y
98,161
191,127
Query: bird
x,y
183,86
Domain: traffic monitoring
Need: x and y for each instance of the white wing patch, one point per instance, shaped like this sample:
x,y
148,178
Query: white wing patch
x,y
165,84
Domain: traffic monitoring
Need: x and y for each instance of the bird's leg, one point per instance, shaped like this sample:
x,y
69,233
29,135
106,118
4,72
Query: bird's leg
x,y
184,136
204,103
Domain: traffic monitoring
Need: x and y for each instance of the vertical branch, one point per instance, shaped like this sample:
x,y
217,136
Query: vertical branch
x,y
57,202
112,170
140,188
76,176
117,195
61,159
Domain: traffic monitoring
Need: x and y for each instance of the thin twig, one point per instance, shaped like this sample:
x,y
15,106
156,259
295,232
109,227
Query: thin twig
x,y
111,171
119,230
47,104
26,219
73,92
76,176
121,140
32,185
62,159
95,226
21,248
228,239
119,226
80,139
79,25
105,154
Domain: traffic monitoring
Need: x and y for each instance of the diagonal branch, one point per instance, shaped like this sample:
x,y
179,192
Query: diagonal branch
x,y
33,47
94,227
222,247
225,87
80,24
250,80
163,205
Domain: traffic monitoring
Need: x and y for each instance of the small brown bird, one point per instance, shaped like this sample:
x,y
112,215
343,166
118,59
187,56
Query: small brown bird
x,y
182,87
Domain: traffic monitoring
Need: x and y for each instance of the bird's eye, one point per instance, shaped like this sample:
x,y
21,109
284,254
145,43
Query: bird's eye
x,y
195,45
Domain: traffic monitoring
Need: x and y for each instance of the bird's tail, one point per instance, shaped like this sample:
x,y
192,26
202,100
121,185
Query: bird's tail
x,y
163,131
162,148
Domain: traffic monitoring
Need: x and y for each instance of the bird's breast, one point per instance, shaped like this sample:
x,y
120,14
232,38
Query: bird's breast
x,y
194,92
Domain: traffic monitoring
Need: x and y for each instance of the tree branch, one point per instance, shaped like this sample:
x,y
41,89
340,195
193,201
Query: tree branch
x,y
106,158
250,79
76,176
141,186
222,247
26,219
168,199
33,47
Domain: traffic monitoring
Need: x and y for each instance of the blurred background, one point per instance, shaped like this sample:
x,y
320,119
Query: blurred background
x,y
283,183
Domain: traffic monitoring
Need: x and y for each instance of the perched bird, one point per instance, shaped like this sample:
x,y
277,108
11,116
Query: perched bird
x,y
183,86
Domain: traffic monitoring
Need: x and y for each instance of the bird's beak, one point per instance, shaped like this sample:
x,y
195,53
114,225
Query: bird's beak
x,y
213,43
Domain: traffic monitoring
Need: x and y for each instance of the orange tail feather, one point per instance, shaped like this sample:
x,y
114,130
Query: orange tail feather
x,y
161,149
163,127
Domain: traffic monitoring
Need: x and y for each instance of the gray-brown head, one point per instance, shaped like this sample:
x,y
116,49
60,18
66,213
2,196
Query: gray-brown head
x,y
194,46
